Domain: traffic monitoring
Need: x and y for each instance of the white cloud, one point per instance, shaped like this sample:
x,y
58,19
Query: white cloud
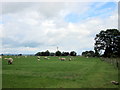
x,y
34,27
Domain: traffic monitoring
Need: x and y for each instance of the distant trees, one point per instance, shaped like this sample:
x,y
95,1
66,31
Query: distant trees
x,y
19,54
2,54
65,54
52,54
88,54
109,42
46,53
57,53
38,54
73,53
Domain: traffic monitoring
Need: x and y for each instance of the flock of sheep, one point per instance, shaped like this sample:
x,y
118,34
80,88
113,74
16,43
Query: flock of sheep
x,y
62,59
10,60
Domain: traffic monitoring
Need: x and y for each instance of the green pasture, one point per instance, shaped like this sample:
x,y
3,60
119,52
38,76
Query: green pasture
x,y
81,72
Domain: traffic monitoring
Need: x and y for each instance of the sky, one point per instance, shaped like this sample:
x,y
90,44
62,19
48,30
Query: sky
x,y
31,27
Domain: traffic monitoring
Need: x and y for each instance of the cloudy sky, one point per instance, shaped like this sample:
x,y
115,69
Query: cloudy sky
x,y
30,27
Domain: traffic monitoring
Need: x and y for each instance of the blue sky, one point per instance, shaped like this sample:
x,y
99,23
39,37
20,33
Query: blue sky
x,y
32,27
97,9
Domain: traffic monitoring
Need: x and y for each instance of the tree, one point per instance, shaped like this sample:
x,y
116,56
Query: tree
x,y
109,42
91,53
47,53
52,54
65,53
73,53
88,53
42,54
19,54
38,54
58,53
2,54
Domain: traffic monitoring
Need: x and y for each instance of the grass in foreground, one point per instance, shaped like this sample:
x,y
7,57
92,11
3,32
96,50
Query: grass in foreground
x,y
79,73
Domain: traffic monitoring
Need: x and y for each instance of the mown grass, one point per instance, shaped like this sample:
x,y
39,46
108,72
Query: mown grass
x,y
81,72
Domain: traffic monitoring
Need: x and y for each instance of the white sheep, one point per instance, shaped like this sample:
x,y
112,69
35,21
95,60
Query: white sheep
x,y
62,59
70,59
114,82
10,60
45,58
38,57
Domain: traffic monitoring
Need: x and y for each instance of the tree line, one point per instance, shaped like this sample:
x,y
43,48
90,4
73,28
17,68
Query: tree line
x,y
57,53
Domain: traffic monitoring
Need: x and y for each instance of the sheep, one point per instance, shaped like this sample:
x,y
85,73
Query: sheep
x,y
5,58
70,59
38,58
114,82
45,58
62,59
10,60
25,56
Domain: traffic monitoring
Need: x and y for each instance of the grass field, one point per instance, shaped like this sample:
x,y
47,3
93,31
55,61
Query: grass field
x,y
81,72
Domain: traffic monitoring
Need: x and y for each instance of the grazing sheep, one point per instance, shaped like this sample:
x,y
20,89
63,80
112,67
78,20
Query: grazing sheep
x,y
5,58
62,59
10,60
25,56
45,58
38,57
114,82
70,59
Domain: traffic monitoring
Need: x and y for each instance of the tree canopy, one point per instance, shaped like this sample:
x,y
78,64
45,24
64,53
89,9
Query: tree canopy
x,y
73,53
109,42
58,53
88,54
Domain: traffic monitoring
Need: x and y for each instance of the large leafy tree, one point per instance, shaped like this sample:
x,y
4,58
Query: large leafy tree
x,y
109,42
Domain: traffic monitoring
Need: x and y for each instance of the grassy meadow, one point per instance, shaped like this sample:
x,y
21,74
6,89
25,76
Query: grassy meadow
x,y
81,72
